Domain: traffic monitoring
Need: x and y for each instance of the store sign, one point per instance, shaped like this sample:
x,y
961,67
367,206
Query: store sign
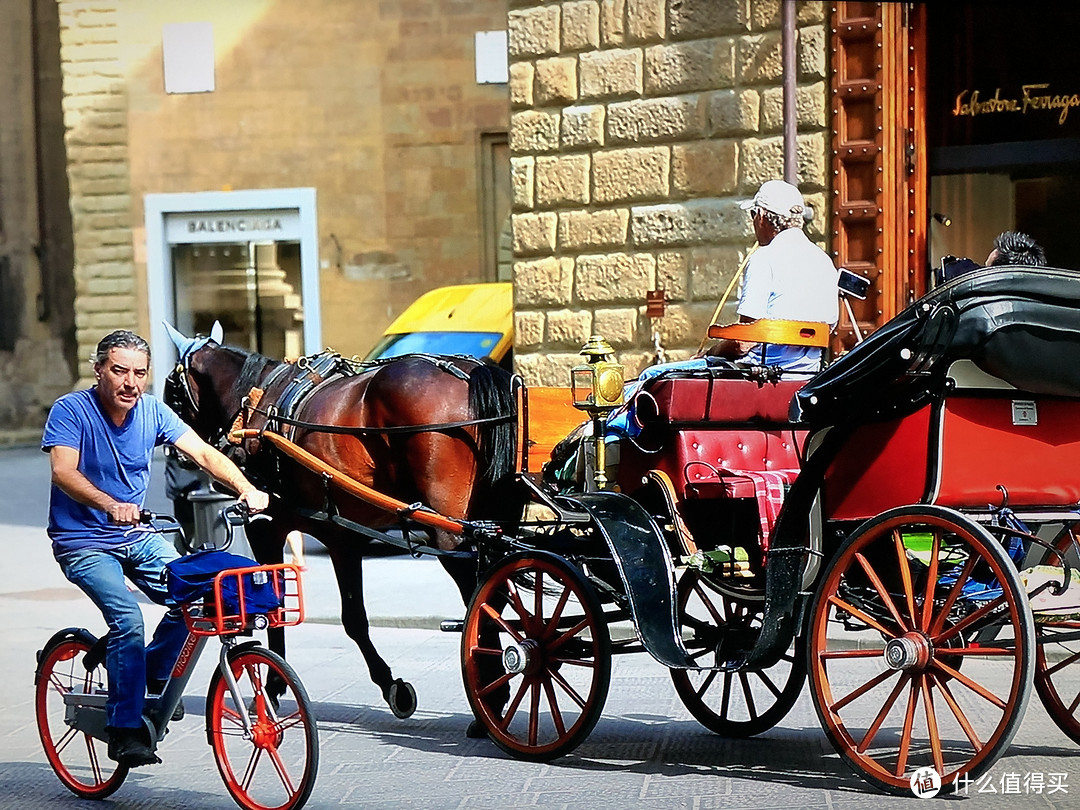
x,y
1033,99
232,226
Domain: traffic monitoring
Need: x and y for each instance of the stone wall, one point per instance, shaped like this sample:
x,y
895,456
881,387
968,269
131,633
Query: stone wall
x,y
34,368
95,116
637,127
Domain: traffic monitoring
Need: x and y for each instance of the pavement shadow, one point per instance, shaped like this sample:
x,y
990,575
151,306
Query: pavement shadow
x,y
795,757
32,785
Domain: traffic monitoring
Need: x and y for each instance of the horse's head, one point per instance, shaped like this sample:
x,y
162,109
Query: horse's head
x,y
192,388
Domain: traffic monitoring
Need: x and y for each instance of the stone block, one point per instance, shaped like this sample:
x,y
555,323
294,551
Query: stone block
x,y
705,168
589,230
677,118
108,286
817,228
809,107
556,81
764,14
672,274
702,315
812,52
612,22
522,182
610,74
712,268
543,282
694,222
582,126
534,131
534,234
580,25
684,67
809,11
528,329
697,19
615,278
624,175
561,180
112,303
760,159
619,326
635,361
645,20
521,84
759,58
533,31
734,112
547,368
568,328
677,327
810,155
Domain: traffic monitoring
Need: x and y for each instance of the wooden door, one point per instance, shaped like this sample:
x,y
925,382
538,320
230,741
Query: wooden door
x,y
878,156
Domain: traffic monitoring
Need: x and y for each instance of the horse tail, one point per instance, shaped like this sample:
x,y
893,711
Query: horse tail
x,y
490,397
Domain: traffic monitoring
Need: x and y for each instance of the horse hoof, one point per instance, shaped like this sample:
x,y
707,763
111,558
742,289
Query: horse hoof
x,y
476,730
401,697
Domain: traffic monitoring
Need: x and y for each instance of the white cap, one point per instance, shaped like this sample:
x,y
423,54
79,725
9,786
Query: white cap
x,y
779,197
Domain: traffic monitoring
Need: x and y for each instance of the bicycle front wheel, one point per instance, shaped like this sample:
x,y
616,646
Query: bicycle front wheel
x,y
79,759
274,766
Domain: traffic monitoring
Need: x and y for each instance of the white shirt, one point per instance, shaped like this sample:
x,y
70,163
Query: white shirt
x,y
789,279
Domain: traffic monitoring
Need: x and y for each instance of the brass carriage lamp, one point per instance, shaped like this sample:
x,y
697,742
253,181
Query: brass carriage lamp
x,y
597,387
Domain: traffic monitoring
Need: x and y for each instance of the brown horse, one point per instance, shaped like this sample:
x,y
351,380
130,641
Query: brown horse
x,y
437,431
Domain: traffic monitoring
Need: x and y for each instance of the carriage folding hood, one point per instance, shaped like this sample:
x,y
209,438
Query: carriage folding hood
x,y
472,319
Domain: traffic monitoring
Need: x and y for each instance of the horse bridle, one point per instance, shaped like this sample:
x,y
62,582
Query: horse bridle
x,y
180,396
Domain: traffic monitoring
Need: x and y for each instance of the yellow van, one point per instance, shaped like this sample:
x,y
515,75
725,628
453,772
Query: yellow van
x,y
472,319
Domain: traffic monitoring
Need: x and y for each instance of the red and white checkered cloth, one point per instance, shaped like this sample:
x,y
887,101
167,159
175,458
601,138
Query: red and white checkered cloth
x,y
769,488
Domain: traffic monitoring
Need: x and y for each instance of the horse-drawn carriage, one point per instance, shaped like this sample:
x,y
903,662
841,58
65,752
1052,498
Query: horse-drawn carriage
x,y
899,527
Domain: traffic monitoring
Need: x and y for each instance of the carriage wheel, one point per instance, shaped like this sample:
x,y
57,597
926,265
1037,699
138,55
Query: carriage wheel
x,y
536,656
79,760
1056,652
275,765
911,583
737,703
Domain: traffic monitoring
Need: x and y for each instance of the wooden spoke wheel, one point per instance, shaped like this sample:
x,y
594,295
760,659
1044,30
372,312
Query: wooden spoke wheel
x,y
910,583
1057,674
536,656
737,703
80,760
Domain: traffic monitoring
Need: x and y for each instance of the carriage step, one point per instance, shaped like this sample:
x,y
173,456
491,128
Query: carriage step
x,y
452,625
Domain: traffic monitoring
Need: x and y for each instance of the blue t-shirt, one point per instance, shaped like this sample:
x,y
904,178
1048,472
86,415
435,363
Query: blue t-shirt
x,y
114,459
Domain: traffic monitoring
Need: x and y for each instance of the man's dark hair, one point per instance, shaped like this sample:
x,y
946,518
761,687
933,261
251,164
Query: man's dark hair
x,y
120,339
1014,247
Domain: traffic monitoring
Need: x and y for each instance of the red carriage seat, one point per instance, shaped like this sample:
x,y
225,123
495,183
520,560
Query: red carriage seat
x,y
717,437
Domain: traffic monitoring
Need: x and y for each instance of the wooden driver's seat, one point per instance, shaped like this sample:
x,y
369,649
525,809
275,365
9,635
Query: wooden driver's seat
x,y
775,331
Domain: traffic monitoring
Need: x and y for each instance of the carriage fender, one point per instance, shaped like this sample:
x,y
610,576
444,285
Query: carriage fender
x,y
647,571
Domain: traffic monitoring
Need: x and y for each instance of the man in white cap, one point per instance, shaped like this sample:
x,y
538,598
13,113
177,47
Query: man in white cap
x,y
787,278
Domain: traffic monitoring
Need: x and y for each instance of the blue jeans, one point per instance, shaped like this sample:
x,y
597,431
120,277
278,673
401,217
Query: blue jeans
x,y
100,574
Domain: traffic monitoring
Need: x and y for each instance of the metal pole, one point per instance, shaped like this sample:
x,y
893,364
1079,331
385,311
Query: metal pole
x,y
790,68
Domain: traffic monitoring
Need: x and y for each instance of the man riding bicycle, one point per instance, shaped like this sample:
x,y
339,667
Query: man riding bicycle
x,y
101,441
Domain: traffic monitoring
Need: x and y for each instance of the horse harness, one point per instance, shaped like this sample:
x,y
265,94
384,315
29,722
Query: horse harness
x,y
318,371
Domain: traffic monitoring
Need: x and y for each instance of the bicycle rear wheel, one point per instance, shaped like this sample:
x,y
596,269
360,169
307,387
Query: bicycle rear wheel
x,y
80,760
273,767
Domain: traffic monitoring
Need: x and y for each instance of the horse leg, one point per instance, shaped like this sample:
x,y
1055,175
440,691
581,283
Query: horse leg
x,y
464,573
267,540
347,559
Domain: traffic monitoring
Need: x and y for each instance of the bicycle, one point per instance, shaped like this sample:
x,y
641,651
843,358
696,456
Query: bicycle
x,y
259,719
